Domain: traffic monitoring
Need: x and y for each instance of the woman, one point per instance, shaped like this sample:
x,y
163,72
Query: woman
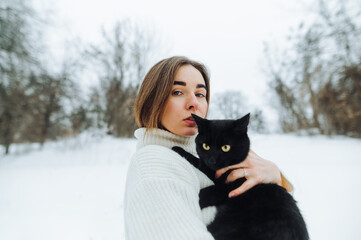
x,y
161,198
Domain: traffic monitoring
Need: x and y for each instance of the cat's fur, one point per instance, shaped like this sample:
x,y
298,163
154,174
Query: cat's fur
x,y
265,212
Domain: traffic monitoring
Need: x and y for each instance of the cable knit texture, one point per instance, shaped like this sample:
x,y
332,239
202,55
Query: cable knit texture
x,y
161,197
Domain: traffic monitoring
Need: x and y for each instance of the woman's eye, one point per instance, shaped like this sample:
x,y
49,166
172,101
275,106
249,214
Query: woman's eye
x,y
206,147
226,148
176,93
200,95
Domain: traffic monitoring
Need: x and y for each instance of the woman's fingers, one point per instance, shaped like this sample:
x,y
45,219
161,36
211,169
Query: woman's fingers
x,y
243,188
237,173
258,170
252,152
244,164
223,170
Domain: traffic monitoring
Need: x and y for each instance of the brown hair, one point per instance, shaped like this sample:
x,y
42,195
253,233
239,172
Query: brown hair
x,y
156,88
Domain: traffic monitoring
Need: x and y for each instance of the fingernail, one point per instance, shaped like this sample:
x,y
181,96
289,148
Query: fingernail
x,y
231,195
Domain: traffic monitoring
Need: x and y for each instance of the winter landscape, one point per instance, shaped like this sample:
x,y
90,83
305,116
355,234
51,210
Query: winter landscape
x,y
73,68
73,189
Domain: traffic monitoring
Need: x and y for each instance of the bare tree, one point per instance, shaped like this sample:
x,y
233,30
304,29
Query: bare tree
x,y
307,80
257,121
340,103
121,62
35,102
16,63
96,108
49,93
230,104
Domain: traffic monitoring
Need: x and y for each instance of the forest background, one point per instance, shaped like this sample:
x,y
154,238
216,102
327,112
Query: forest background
x,y
70,70
312,76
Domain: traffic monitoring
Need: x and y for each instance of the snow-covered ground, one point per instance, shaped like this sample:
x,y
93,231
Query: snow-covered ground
x,y
73,189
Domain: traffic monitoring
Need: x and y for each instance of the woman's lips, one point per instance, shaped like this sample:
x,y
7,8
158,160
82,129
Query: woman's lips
x,y
190,121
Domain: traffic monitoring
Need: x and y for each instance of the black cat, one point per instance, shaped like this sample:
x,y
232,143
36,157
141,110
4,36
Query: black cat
x,y
265,212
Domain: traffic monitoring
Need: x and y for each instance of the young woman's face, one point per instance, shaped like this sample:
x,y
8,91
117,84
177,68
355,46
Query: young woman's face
x,y
188,96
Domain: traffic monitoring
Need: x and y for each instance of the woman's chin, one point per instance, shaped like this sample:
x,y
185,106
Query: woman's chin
x,y
189,132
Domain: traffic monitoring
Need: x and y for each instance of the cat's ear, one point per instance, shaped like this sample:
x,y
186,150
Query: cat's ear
x,y
200,121
242,123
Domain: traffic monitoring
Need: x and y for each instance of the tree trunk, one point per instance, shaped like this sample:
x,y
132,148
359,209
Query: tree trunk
x,y
8,138
7,149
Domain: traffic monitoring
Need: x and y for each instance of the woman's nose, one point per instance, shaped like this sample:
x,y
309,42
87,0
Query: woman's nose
x,y
192,102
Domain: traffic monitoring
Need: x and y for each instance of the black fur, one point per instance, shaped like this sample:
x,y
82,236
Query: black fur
x,y
265,212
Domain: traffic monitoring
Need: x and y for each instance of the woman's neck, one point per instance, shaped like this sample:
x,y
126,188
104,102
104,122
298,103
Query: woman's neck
x,y
164,138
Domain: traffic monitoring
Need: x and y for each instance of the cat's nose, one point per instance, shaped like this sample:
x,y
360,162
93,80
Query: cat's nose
x,y
212,160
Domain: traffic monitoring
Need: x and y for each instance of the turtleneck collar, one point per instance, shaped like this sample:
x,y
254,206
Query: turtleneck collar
x,y
164,138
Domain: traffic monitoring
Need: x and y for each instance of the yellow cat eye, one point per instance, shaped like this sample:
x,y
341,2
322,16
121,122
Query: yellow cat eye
x,y
226,148
206,147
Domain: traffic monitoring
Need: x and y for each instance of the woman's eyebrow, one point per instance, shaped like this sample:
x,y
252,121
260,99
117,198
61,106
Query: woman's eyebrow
x,y
185,84
179,83
201,86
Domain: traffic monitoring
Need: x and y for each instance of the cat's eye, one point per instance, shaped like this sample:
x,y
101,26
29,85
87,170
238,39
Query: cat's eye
x,y
226,148
206,147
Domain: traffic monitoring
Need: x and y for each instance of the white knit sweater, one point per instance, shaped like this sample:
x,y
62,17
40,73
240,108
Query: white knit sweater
x,y
161,196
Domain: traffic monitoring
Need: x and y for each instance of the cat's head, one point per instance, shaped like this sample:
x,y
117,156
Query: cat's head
x,y
221,143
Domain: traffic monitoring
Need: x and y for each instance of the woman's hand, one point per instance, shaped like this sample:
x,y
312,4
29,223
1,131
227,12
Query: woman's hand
x,y
258,171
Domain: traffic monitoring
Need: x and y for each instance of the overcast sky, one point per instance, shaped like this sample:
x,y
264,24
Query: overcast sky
x,y
227,36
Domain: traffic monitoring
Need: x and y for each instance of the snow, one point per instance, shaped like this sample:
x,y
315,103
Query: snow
x,y
73,189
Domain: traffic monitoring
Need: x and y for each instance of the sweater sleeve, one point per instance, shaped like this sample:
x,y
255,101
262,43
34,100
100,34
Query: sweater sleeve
x,y
286,184
162,198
